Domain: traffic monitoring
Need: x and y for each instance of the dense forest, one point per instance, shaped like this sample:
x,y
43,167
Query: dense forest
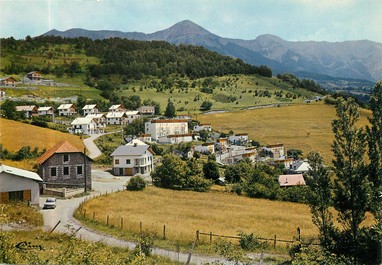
x,y
130,59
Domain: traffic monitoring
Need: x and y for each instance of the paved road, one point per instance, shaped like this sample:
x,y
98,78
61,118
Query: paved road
x,y
102,182
92,147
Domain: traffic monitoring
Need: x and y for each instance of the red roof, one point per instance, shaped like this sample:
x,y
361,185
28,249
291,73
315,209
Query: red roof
x,y
291,180
61,147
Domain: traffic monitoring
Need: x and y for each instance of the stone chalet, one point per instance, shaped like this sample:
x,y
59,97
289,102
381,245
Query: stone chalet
x,y
34,76
64,165
28,111
291,180
19,185
133,158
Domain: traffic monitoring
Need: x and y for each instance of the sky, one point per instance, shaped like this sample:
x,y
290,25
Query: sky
x,y
293,20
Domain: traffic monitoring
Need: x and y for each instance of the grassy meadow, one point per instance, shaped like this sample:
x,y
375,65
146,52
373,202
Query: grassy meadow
x,y
302,126
14,135
184,212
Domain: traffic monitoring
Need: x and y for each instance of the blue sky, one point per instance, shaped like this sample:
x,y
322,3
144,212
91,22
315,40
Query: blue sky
x,y
294,20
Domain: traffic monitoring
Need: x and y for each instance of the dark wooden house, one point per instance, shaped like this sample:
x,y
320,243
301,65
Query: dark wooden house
x,y
65,166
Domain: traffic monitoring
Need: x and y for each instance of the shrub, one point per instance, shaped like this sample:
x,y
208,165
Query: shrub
x,y
198,183
250,241
136,183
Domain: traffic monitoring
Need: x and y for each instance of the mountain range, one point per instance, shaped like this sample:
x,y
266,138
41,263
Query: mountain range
x,y
359,61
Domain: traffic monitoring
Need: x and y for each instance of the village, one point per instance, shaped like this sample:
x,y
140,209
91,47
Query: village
x,y
64,167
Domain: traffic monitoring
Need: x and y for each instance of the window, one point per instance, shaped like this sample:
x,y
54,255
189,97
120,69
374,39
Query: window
x,y
117,161
79,170
53,172
66,171
16,195
128,161
66,158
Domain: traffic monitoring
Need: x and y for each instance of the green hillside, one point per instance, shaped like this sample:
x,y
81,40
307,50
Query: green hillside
x,y
114,70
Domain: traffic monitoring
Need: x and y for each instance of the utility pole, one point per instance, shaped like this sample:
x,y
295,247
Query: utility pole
x,y
86,188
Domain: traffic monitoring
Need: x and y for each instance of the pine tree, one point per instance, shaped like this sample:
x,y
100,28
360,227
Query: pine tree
x,y
170,110
351,187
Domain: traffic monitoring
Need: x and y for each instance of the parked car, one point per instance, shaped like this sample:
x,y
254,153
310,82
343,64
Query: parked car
x,y
50,203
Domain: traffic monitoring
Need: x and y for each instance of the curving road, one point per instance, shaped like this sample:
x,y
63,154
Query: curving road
x,y
102,182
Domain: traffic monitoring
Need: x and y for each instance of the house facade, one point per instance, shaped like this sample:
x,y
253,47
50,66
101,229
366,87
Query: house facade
x,y
100,118
176,138
45,111
19,185
116,118
8,81
206,148
117,108
132,115
146,110
238,139
276,151
203,126
28,111
133,158
66,110
160,128
90,109
65,166
84,126
34,76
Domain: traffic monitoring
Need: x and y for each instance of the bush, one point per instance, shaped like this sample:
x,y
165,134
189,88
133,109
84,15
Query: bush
x,y
250,242
136,183
198,183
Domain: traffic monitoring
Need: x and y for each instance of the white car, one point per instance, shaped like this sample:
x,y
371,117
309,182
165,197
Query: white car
x,y
50,203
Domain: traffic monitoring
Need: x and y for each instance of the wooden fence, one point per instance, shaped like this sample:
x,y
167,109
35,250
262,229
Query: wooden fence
x,y
274,240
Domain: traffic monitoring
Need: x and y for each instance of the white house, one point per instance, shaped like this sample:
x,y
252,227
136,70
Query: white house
x,y
175,138
132,115
116,118
90,109
66,110
19,185
117,108
28,111
144,137
100,118
132,158
84,126
238,139
206,148
300,166
291,180
159,128
45,111
203,126
235,154
147,110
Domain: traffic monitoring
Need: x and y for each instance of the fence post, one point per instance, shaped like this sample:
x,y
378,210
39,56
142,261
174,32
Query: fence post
x,y
210,238
274,242
121,223
107,221
298,234
140,227
164,232
197,235
84,213
93,215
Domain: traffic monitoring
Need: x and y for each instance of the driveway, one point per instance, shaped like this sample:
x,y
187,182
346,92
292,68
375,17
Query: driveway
x,y
104,182
92,147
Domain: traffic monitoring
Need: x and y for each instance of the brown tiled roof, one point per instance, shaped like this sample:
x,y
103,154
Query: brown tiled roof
x,y
61,147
